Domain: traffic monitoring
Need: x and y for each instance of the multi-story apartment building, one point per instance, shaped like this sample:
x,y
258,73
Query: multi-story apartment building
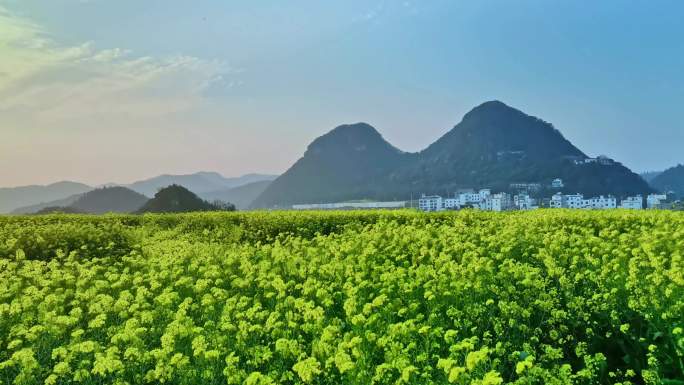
x,y
430,203
600,203
577,201
468,198
523,202
501,202
573,201
497,202
655,201
632,203
451,203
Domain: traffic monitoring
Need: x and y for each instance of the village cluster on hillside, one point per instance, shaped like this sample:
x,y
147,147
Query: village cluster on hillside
x,y
485,200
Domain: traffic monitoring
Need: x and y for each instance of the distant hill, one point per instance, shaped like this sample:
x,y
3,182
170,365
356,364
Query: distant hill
x,y
671,179
201,182
109,200
493,146
102,200
30,199
61,203
12,198
648,176
350,162
496,145
178,199
241,196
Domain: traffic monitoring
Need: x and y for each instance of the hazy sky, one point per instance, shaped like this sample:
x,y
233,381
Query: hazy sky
x,y
118,90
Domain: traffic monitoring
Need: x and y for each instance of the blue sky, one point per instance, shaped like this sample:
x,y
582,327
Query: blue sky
x,y
102,90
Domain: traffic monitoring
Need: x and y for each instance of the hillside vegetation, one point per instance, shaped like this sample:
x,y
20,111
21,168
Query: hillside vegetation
x,y
400,297
671,180
178,199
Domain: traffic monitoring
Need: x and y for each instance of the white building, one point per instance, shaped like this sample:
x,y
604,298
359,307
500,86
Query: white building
x,y
600,203
501,202
655,201
451,203
523,202
497,202
430,203
601,159
632,203
573,201
568,201
557,183
468,198
556,201
472,198
577,201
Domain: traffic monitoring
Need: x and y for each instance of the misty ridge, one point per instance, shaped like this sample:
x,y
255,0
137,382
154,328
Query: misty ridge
x,y
209,186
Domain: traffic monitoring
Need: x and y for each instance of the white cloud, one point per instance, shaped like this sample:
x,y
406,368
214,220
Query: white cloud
x,y
386,8
43,81
108,55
